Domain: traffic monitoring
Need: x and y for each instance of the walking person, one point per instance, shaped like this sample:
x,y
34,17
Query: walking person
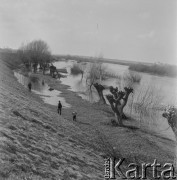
x,y
74,116
59,107
29,86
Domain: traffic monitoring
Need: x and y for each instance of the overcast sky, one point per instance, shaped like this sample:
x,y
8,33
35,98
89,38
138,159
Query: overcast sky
x,y
141,30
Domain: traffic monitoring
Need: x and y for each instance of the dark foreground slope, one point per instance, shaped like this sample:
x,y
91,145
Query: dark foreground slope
x,y
36,143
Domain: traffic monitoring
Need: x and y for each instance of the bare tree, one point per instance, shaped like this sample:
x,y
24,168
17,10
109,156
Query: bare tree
x,y
118,100
45,62
96,73
170,114
24,57
92,75
100,68
100,89
35,53
77,69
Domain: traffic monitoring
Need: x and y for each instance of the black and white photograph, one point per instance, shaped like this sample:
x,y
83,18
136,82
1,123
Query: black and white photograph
x,y
88,89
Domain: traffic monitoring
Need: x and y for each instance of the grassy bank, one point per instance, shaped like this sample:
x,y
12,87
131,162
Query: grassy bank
x,y
36,143
135,144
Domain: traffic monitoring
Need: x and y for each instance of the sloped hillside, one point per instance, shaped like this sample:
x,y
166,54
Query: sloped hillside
x,y
37,143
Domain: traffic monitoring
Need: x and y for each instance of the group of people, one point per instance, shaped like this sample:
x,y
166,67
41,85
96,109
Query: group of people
x,y
74,114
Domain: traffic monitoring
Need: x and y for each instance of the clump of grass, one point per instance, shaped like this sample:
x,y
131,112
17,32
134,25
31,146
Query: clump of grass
x,y
113,122
132,77
107,147
111,75
75,70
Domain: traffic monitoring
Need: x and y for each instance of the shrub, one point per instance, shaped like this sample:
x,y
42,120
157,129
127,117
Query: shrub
x,y
112,75
76,69
128,79
132,77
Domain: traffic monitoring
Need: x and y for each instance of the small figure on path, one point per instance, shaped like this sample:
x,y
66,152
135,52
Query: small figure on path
x,y
59,107
29,86
43,82
74,116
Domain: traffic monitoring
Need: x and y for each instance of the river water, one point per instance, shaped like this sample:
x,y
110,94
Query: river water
x,y
150,96
165,87
145,105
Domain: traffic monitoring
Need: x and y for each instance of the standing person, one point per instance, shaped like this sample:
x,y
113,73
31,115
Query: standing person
x,y
59,107
74,116
29,86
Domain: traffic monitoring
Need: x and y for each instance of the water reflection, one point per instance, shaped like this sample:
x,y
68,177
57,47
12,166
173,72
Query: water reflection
x,y
41,88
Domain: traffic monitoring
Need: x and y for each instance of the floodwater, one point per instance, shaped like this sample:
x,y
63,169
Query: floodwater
x,y
145,105
164,87
42,89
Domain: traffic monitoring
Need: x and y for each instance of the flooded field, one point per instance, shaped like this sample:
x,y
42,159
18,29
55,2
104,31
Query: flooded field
x,y
164,87
39,87
150,96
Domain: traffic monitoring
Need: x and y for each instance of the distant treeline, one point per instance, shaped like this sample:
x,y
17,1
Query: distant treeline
x,y
93,59
157,69
11,56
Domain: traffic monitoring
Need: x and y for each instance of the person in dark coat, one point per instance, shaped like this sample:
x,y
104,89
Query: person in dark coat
x,y
29,86
59,107
74,116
